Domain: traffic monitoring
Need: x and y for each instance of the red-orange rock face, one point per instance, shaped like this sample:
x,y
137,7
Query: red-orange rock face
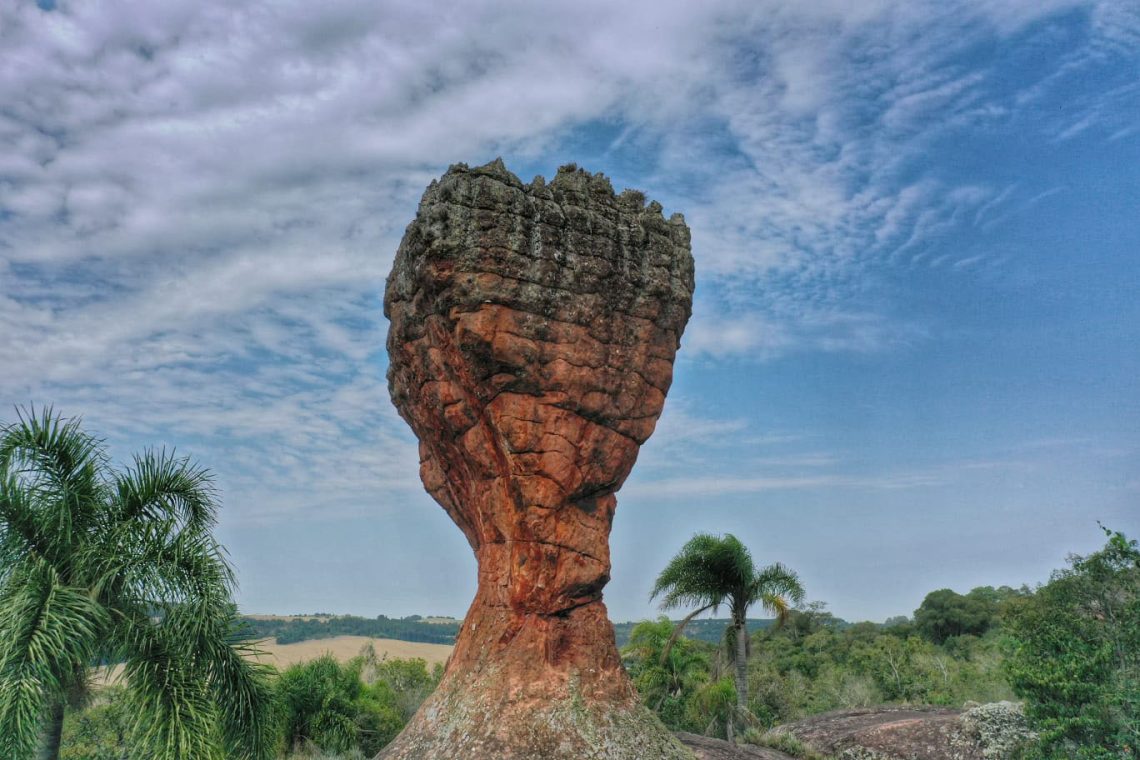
x,y
533,331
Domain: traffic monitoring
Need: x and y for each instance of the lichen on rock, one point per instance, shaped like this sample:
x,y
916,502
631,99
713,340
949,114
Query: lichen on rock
x,y
998,728
991,731
533,332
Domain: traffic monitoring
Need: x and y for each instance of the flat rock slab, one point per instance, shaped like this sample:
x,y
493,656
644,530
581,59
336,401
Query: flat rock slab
x,y
892,733
715,749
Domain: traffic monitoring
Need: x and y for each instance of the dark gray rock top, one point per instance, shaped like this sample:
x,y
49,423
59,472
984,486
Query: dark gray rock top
x,y
570,248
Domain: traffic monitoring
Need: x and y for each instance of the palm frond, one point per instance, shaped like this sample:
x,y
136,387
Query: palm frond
x,y
23,700
162,564
678,629
48,635
780,585
240,685
50,443
194,654
707,570
162,487
94,564
175,715
21,531
59,470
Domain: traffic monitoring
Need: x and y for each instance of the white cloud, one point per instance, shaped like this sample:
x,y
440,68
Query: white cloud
x,y
199,201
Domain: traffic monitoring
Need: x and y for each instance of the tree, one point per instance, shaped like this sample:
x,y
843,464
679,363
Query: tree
x,y
101,731
320,704
98,566
666,683
358,706
945,613
712,570
714,705
1075,657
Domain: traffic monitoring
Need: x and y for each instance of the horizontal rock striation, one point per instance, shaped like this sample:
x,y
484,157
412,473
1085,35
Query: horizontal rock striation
x,y
533,332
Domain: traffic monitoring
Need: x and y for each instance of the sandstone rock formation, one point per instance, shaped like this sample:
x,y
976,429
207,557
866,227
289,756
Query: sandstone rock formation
x,y
533,331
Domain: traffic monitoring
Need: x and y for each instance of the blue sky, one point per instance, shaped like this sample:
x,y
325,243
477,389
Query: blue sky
x,y
915,350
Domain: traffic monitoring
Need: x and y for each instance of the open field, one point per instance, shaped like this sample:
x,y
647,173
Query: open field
x,y
344,648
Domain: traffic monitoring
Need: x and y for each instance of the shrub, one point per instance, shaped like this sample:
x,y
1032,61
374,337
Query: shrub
x,y
1075,656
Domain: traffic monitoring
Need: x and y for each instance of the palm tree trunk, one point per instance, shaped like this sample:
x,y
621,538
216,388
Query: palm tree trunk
x,y
53,732
741,665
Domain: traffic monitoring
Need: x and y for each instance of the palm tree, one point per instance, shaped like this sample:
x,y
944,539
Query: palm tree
x,y
659,674
98,566
712,570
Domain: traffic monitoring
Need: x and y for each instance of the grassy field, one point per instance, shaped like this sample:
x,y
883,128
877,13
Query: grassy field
x,y
344,648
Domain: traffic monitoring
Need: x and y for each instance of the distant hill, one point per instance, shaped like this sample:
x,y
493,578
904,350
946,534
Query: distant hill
x,y
288,629
710,629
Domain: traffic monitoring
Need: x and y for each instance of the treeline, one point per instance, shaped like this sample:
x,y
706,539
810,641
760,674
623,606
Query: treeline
x,y
1069,651
813,663
710,630
413,628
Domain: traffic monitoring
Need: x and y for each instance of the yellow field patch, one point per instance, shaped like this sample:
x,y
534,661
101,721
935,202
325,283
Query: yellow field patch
x,y
343,648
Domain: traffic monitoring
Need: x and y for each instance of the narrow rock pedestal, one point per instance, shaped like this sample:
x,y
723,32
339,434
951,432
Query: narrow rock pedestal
x,y
533,332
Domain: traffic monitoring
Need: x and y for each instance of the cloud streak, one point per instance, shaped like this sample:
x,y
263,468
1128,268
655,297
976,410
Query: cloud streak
x,y
199,201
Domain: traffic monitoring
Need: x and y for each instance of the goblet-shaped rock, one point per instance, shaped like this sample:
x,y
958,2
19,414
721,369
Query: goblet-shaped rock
x,y
533,331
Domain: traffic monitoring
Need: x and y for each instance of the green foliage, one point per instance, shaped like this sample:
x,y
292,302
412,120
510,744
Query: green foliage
x,y
100,732
320,701
711,630
713,570
714,707
408,682
358,707
813,665
783,742
99,565
1075,656
945,613
667,680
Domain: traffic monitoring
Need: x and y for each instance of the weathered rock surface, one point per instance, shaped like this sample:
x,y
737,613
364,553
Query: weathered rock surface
x,y
533,331
985,732
715,749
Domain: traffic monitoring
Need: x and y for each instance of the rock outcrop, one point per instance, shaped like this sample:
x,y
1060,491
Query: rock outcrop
x,y
991,731
706,748
533,332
